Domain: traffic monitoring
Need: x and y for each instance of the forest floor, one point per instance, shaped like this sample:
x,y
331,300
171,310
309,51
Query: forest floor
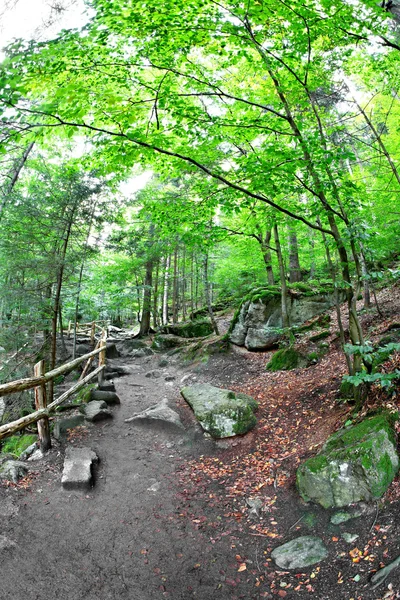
x,y
171,513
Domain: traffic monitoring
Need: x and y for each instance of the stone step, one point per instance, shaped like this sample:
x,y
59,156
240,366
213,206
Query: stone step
x,y
78,469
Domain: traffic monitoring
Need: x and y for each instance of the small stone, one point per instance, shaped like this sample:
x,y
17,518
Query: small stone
x,y
96,411
163,363
13,470
153,374
342,517
77,473
350,537
37,455
299,553
159,413
170,378
28,451
110,398
155,487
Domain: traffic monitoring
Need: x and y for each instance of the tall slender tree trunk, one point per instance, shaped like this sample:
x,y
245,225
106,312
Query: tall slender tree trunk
x,y
294,262
282,276
265,242
155,298
166,290
208,294
175,288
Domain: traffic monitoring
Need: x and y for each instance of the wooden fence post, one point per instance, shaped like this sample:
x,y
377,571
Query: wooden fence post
x,y
92,332
41,402
102,356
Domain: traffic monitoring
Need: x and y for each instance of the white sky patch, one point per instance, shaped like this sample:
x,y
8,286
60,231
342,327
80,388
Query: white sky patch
x,y
37,19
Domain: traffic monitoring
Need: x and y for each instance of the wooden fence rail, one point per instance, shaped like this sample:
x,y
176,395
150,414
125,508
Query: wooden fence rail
x,y
39,381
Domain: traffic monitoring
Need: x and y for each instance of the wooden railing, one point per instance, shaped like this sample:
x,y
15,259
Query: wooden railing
x,y
87,328
44,410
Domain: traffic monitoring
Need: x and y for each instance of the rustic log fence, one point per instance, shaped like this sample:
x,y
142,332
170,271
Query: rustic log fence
x,y
87,328
39,381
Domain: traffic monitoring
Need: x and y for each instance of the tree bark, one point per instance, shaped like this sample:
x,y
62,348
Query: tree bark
x,y
294,262
208,295
282,276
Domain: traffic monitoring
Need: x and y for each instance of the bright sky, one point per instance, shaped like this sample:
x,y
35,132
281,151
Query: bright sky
x,y
30,18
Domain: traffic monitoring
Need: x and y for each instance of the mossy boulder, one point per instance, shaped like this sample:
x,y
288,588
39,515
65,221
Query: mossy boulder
x,y
257,324
190,329
167,341
221,413
356,464
286,359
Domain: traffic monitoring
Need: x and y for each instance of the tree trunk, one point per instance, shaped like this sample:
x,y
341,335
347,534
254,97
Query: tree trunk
x,y
155,299
294,263
166,290
208,295
282,276
267,256
175,289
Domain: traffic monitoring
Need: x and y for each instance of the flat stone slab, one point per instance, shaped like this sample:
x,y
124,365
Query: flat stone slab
x,y
13,470
299,553
95,411
342,517
78,468
221,413
159,413
109,397
63,425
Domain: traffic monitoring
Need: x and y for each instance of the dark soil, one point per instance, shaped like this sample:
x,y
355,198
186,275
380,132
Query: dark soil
x,y
170,513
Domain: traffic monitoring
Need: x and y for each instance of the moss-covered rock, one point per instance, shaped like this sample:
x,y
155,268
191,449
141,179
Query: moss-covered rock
x,y
257,324
357,463
190,329
286,359
167,341
221,413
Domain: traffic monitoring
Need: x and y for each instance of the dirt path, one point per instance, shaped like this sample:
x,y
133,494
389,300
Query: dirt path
x,y
126,538
169,515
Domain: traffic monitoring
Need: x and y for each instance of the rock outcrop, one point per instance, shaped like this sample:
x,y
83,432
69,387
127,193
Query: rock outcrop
x,y
357,463
190,329
221,413
258,322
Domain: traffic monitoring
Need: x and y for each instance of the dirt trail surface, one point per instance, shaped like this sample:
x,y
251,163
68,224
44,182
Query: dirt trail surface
x,y
175,515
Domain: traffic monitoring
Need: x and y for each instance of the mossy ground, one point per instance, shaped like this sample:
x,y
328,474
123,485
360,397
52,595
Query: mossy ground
x,y
16,444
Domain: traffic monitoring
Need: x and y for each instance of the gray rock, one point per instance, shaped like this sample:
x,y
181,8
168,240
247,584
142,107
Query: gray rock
x,y
96,410
37,455
300,553
255,505
159,413
170,378
13,470
357,463
259,319
78,468
110,398
343,517
153,374
167,341
350,538
107,386
221,413
61,427
163,363
28,451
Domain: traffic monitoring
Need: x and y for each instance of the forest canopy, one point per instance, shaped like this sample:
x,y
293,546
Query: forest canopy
x,y
269,134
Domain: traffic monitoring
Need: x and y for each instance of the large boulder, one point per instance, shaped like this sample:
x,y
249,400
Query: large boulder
x,y
357,463
258,322
190,329
221,413
167,341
